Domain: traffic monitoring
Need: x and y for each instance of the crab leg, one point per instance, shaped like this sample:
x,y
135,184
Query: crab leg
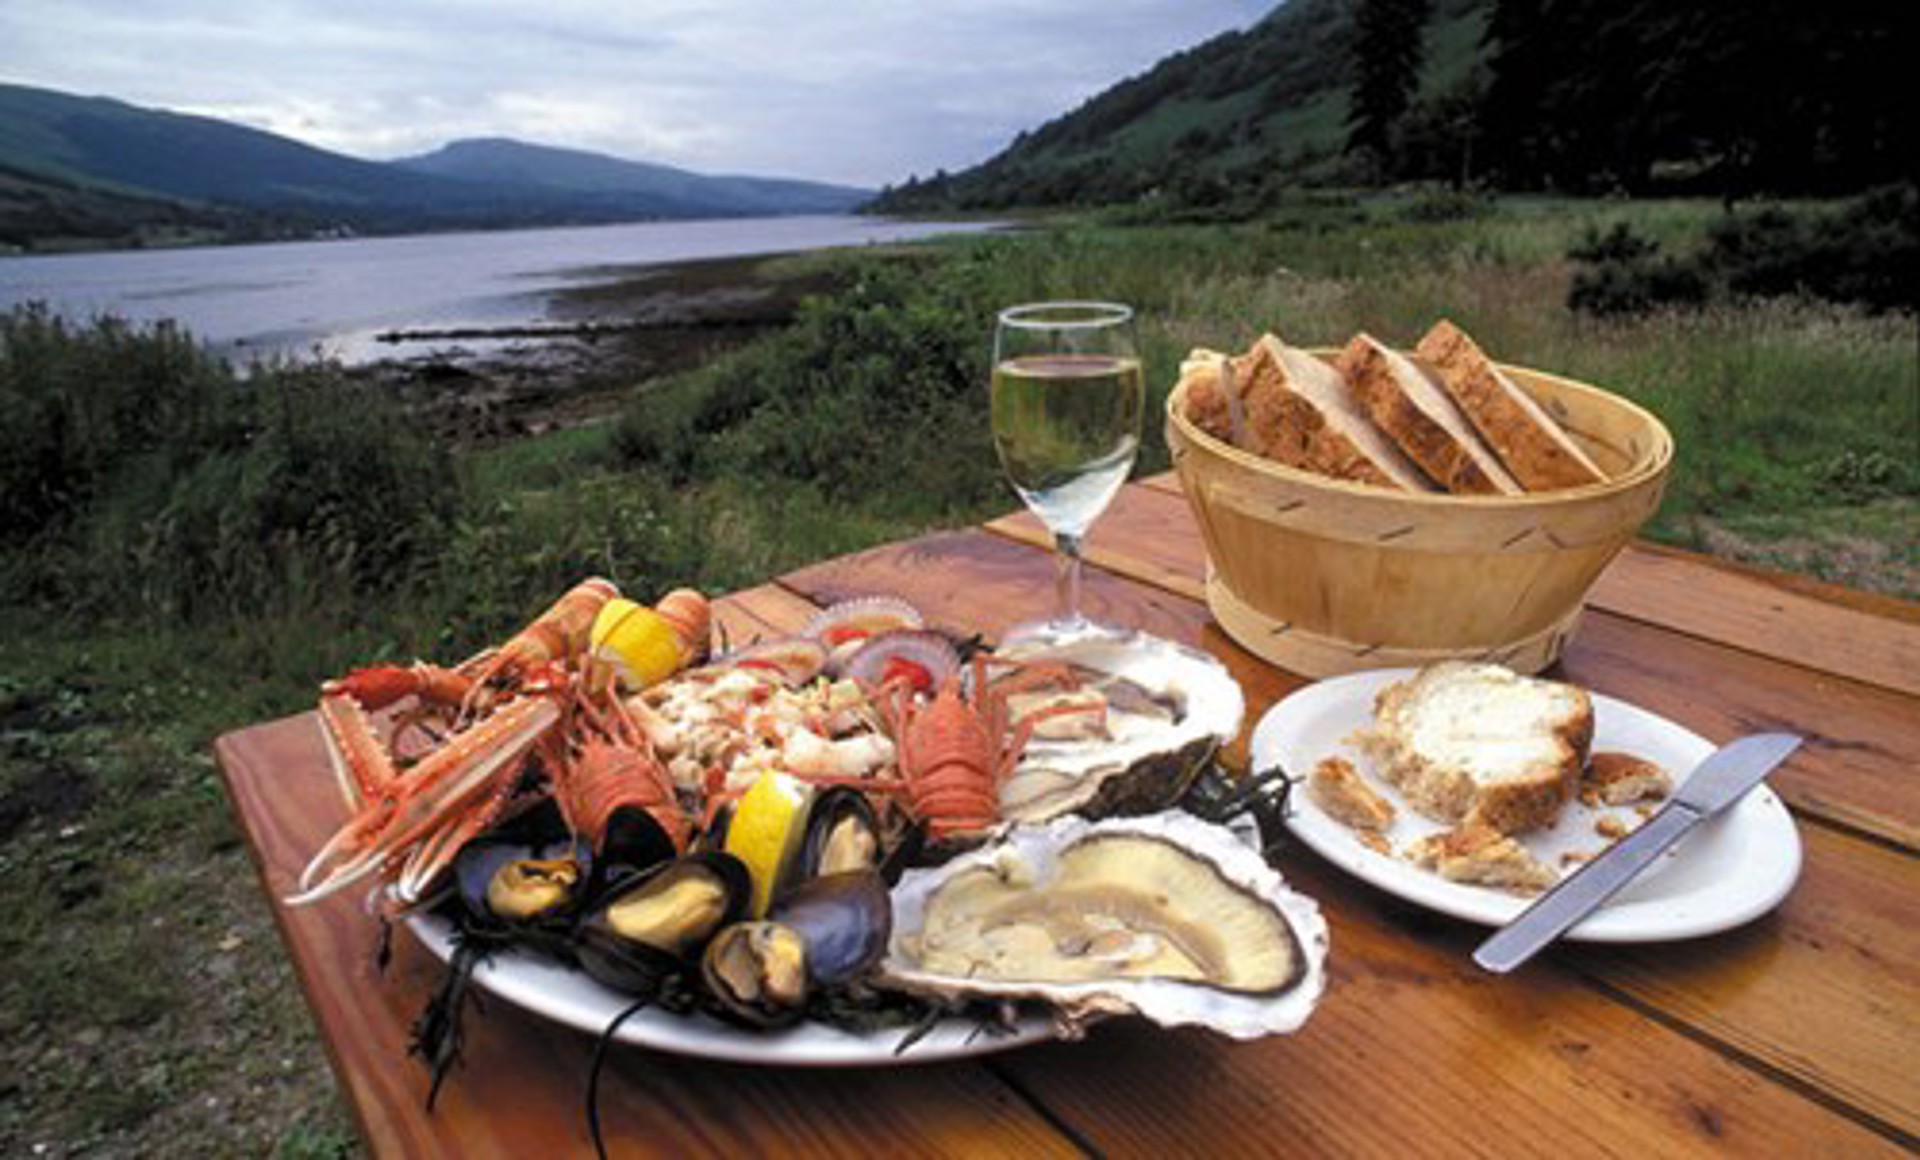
x,y
413,805
360,763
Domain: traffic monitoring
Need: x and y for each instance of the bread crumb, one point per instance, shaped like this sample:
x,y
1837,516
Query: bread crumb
x,y
1483,856
1376,842
1610,827
1336,786
1575,857
1620,779
1644,811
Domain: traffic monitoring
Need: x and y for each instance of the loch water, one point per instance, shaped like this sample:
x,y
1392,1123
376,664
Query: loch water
x,y
334,297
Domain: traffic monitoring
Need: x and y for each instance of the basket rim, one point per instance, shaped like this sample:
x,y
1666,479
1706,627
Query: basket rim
x,y
1655,465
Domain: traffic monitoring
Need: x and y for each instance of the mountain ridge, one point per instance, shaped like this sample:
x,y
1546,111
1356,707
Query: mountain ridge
x,y
74,158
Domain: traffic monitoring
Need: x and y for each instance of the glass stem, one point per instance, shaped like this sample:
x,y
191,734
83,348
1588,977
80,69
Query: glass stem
x,y
1066,580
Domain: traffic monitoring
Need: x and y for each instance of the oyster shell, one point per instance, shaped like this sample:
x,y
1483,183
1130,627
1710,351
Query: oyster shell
x,y
1168,708
1167,916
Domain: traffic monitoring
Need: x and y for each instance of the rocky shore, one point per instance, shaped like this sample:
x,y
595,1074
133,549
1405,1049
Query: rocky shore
x,y
597,343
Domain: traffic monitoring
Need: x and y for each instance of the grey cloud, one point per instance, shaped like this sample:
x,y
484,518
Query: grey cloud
x,y
841,90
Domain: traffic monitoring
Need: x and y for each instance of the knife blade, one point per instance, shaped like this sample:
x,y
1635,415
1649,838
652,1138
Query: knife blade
x,y
1716,783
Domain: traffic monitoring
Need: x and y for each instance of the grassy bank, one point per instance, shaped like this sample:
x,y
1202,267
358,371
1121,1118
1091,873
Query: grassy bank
x,y
176,570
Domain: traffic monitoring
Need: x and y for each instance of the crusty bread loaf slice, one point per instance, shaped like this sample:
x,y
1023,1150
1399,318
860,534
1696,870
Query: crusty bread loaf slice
x,y
1532,447
1479,744
1483,857
1406,403
1214,402
1337,787
1300,414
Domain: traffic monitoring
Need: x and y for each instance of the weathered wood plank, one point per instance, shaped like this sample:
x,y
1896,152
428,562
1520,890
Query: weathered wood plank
x,y
1831,976
972,581
519,1092
768,610
1411,1053
1864,743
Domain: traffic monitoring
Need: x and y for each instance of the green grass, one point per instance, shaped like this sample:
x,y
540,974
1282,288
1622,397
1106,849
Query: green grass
x,y
122,875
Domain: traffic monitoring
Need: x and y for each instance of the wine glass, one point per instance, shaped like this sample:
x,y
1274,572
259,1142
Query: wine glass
x,y
1067,397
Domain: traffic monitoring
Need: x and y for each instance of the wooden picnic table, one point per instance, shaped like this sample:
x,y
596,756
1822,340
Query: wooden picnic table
x,y
1797,1034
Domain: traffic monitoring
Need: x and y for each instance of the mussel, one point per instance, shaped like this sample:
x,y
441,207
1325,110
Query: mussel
x,y
519,882
825,933
843,834
656,923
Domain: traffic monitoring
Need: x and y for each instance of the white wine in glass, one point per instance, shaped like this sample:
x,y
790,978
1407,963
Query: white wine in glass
x,y
1067,400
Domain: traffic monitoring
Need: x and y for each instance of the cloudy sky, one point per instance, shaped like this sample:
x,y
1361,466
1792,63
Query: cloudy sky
x,y
860,91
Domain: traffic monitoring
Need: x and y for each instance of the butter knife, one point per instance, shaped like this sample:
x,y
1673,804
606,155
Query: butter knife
x,y
1716,783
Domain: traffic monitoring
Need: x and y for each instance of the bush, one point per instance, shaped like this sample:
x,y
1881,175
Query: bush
x,y
1867,253
1436,203
878,392
169,485
82,403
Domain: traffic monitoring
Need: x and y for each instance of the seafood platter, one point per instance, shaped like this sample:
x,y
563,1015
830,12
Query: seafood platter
x,y
866,829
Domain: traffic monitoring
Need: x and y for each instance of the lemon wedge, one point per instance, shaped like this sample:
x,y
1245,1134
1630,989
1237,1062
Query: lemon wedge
x,y
635,643
765,834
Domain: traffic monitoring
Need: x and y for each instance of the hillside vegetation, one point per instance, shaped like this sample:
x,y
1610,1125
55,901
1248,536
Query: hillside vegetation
x,y
1640,97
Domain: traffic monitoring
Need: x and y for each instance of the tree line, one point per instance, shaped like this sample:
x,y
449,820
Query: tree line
x,y
1642,96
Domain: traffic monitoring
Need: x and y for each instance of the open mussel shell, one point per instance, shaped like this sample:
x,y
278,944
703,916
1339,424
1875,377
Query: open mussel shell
x,y
827,932
843,834
513,881
844,920
632,844
657,922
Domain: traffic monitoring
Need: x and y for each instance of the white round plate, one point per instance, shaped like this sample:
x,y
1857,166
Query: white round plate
x,y
1729,870
567,996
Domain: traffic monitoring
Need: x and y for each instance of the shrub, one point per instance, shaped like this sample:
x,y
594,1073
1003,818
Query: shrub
x,y
145,476
1866,253
83,402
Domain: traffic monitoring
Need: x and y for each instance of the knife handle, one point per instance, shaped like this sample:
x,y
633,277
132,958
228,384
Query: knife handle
x,y
1582,891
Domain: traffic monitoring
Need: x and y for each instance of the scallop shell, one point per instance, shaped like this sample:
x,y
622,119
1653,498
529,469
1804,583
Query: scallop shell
x,y
845,628
1032,854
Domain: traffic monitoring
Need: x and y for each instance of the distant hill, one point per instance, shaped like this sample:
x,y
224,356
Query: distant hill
x,y
71,159
1260,104
576,173
41,212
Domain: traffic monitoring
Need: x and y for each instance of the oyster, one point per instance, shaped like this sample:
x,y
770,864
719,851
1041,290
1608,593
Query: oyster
x,y
1167,708
1167,916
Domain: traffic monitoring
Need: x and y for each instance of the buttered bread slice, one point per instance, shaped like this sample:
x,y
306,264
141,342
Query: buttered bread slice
x,y
1478,744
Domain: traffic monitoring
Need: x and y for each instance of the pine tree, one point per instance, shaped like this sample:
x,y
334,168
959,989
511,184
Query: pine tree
x,y
1387,54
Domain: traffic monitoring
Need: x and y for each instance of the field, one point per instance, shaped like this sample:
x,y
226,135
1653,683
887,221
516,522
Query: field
x,y
187,551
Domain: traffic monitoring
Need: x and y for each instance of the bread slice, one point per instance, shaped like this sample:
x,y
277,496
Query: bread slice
x,y
1621,779
1213,403
1406,403
1299,413
1532,447
1337,787
1481,745
1484,857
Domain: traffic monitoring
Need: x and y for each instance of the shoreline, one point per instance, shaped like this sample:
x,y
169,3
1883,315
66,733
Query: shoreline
x,y
484,385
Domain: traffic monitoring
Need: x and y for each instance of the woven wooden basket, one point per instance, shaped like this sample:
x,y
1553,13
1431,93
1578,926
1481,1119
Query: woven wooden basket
x,y
1323,576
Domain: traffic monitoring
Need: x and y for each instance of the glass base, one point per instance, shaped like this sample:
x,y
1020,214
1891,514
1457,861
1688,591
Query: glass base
x,y
1039,634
